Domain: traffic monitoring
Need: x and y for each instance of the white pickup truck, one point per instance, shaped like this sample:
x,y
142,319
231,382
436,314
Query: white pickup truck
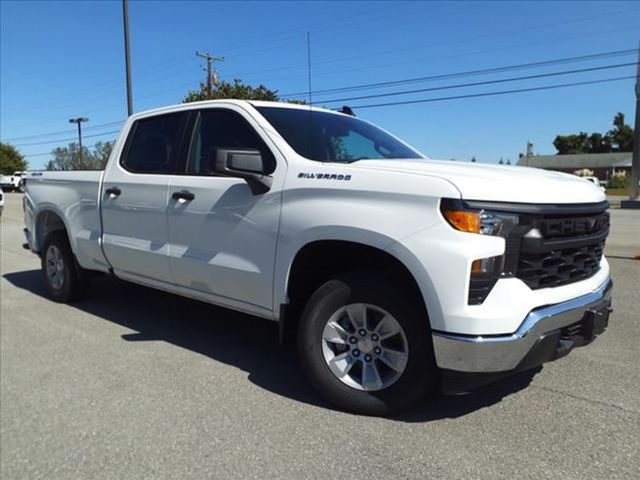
x,y
14,182
397,275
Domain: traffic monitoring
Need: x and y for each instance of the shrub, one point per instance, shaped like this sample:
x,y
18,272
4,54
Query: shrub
x,y
619,180
585,172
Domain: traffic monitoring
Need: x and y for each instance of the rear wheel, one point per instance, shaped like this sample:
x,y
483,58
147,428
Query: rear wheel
x,y
365,345
64,278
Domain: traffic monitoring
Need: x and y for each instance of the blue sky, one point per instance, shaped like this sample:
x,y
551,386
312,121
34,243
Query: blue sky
x,y
62,59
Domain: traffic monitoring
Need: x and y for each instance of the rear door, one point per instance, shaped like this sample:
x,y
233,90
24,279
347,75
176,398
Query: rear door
x,y
222,236
134,199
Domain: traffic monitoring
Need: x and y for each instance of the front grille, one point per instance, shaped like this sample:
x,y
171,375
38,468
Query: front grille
x,y
560,249
571,226
549,246
559,267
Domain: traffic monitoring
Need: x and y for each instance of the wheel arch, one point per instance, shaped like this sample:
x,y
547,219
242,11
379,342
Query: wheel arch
x,y
47,221
318,261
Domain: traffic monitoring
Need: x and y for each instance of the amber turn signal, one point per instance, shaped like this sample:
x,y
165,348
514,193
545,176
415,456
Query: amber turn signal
x,y
476,267
463,220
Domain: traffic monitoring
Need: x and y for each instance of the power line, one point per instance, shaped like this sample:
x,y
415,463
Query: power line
x,y
395,51
488,94
459,97
476,84
60,132
559,61
59,140
37,154
182,58
113,84
467,53
399,82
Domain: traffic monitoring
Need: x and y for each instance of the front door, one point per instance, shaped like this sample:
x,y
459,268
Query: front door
x,y
134,199
222,237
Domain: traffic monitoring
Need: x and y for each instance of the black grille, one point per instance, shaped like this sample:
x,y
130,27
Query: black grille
x,y
559,267
563,250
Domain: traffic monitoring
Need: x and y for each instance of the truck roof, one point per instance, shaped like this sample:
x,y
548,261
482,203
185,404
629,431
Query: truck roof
x,y
254,103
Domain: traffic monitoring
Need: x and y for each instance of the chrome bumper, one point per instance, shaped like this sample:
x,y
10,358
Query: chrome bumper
x,y
502,353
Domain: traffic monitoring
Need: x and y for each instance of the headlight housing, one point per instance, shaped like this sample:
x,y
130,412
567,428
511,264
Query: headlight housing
x,y
484,272
483,222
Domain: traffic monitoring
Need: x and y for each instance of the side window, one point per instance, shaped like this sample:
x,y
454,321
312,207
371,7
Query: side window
x,y
154,143
223,129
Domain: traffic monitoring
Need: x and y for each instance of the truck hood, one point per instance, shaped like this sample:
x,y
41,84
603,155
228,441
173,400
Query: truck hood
x,y
497,183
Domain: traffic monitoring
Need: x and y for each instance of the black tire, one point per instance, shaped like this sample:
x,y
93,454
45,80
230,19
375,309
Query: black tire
x,y
74,282
420,375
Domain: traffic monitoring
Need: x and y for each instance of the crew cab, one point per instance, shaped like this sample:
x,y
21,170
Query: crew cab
x,y
397,275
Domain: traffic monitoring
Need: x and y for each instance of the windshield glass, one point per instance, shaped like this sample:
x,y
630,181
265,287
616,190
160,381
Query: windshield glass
x,y
328,137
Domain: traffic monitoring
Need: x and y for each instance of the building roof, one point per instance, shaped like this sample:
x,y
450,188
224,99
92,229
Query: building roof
x,y
579,160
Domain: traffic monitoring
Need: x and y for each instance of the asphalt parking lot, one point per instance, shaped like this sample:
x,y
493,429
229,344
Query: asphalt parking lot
x,y
135,383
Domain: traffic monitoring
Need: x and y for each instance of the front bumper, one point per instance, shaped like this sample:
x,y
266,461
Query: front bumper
x,y
545,334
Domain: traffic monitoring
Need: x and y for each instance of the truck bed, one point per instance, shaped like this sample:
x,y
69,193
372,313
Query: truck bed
x,y
75,197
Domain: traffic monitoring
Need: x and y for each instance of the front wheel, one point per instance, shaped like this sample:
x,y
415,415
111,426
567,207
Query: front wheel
x,y
365,345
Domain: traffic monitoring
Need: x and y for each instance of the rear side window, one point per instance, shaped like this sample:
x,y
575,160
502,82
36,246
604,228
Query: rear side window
x,y
154,143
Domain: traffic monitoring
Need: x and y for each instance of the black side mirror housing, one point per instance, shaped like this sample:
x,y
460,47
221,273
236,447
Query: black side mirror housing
x,y
245,164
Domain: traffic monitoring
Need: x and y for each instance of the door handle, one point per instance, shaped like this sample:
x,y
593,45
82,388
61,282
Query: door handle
x,y
113,191
183,195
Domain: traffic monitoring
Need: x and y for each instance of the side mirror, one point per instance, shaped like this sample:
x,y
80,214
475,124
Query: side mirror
x,y
246,164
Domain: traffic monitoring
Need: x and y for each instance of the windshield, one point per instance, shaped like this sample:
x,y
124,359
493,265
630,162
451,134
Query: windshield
x,y
328,137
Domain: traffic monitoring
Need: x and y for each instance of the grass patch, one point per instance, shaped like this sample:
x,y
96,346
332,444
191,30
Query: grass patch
x,y
618,191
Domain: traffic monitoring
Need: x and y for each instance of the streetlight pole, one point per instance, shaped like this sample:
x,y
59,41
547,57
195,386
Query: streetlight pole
x,y
127,58
79,121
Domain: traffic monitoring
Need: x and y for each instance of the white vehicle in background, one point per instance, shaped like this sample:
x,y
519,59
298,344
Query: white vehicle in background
x,y
1,201
595,181
398,276
13,183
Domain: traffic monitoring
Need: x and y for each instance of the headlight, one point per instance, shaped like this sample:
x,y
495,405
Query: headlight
x,y
484,272
484,222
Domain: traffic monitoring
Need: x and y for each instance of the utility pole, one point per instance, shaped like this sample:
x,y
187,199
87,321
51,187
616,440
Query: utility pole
x,y
79,121
127,59
209,60
633,201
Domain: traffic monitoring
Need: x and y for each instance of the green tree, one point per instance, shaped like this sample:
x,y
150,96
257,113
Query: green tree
x,y
621,135
618,139
576,143
101,152
231,90
598,143
11,160
68,158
